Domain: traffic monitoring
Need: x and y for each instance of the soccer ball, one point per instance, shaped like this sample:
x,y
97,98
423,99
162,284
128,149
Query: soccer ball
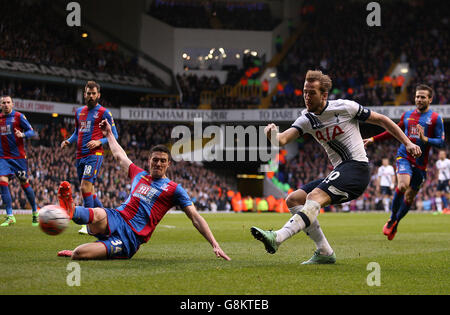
x,y
53,219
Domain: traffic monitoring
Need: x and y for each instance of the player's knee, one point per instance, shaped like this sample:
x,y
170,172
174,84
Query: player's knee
x,y
86,187
79,254
410,196
99,214
402,187
296,198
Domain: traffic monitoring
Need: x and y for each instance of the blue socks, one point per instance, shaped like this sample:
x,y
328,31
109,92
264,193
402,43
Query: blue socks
x,y
88,200
83,215
97,202
29,192
6,197
404,208
397,202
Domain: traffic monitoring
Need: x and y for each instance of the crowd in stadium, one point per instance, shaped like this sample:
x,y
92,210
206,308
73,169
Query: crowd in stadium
x,y
49,165
357,63
31,37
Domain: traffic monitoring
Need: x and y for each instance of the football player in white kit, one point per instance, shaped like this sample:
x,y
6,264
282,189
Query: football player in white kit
x,y
334,124
385,182
443,166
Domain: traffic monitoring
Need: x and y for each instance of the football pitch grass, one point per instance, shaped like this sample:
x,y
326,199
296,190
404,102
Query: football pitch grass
x,y
179,261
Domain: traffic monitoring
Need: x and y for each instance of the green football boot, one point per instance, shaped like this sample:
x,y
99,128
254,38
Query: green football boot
x,y
267,237
10,220
35,220
318,259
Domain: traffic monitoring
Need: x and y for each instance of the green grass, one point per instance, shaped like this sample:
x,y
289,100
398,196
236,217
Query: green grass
x,y
177,260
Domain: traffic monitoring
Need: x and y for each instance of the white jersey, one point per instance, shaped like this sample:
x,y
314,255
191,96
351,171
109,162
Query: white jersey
x,y
385,174
443,167
337,130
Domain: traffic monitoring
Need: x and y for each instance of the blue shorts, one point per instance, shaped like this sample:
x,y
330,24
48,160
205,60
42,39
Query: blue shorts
x,y
121,242
18,167
88,167
417,175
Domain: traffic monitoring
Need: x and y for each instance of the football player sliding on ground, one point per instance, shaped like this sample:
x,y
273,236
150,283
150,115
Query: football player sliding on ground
x,y
335,125
122,230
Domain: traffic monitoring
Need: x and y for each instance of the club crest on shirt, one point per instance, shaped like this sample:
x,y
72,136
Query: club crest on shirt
x,y
165,187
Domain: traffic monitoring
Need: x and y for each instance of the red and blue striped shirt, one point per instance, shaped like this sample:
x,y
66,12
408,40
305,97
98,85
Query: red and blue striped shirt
x,y
87,128
150,199
11,146
433,127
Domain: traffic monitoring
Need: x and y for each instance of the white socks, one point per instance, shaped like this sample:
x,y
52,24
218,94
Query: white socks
x,y
297,224
292,227
316,234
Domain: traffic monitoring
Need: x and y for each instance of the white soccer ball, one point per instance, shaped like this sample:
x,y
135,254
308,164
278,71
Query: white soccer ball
x,y
53,219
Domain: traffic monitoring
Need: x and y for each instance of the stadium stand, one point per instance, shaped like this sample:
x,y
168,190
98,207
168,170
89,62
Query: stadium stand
x,y
359,64
234,15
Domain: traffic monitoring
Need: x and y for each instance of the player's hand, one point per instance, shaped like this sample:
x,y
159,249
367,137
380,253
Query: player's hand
x,y
93,144
368,141
414,150
421,133
64,144
105,127
19,134
269,129
220,253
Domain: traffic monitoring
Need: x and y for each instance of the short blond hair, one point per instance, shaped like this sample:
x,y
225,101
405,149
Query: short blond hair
x,y
324,80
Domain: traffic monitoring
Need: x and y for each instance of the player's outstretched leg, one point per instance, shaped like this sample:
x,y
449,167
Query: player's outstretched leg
x,y
88,251
268,238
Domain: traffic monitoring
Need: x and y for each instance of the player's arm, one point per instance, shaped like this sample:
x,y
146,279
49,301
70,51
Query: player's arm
x,y
117,151
110,120
202,226
27,130
439,141
280,139
73,138
395,131
384,135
